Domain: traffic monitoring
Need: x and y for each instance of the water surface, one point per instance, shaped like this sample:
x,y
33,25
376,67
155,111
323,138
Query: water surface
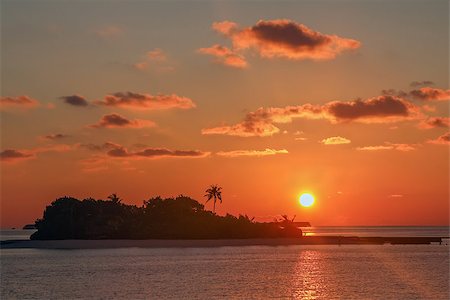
x,y
249,272
252,272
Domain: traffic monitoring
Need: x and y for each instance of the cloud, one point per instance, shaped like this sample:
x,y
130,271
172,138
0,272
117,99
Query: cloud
x,y
151,152
257,153
244,129
396,196
13,155
156,57
425,94
374,148
428,108
421,83
285,39
225,56
143,65
261,122
55,136
403,147
335,140
22,102
102,147
381,109
225,27
117,121
441,140
138,101
75,100
430,94
388,146
122,152
116,151
109,31
94,164
52,148
435,122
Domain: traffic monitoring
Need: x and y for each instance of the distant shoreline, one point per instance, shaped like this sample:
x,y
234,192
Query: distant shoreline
x,y
153,243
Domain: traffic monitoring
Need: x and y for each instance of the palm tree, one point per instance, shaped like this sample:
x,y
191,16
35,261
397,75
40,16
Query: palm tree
x,y
214,191
114,198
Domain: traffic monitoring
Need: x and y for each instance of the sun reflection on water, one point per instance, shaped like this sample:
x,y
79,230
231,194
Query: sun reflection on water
x,y
308,281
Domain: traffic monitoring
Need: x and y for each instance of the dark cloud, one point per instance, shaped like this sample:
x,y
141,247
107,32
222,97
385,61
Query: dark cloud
x,y
75,100
374,108
138,101
435,122
430,94
102,147
421,83
120,151
425,94
118,121
285,38
10,155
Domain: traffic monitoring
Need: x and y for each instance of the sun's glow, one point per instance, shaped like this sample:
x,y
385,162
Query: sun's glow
x,y
306,200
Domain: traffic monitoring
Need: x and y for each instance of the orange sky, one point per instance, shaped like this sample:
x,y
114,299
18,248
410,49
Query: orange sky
x,y
266,100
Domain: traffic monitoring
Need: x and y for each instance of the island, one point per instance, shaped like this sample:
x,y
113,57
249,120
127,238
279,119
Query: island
x,y
172,218
69,223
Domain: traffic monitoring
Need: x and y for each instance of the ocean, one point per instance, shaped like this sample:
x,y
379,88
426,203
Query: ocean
x,y
249,272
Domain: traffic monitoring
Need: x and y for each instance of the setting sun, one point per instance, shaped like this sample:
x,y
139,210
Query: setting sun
x,y
306,200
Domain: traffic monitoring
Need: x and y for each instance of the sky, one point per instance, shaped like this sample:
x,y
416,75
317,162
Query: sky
x,y
347,100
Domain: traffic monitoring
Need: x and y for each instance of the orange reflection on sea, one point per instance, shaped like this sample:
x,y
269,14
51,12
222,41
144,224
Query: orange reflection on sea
x,y
308,281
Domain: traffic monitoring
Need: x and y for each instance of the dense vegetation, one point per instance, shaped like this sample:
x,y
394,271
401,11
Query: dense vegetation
x,y
171,218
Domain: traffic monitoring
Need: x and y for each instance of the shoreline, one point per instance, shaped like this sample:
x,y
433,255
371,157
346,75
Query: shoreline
x,y
153,243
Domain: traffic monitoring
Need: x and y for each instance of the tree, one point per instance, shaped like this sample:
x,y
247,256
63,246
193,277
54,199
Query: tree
x,y
114,198
214,192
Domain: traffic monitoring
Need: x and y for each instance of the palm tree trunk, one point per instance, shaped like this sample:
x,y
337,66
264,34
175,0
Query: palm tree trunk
x,y
214,208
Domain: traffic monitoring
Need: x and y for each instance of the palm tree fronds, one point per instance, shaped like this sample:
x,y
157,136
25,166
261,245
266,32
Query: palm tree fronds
x,y
214,191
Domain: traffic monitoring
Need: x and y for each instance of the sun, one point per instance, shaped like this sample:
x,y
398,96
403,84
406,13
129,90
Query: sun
x,y
306,200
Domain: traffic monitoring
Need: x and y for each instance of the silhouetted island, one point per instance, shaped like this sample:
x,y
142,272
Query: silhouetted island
x,y
158,218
